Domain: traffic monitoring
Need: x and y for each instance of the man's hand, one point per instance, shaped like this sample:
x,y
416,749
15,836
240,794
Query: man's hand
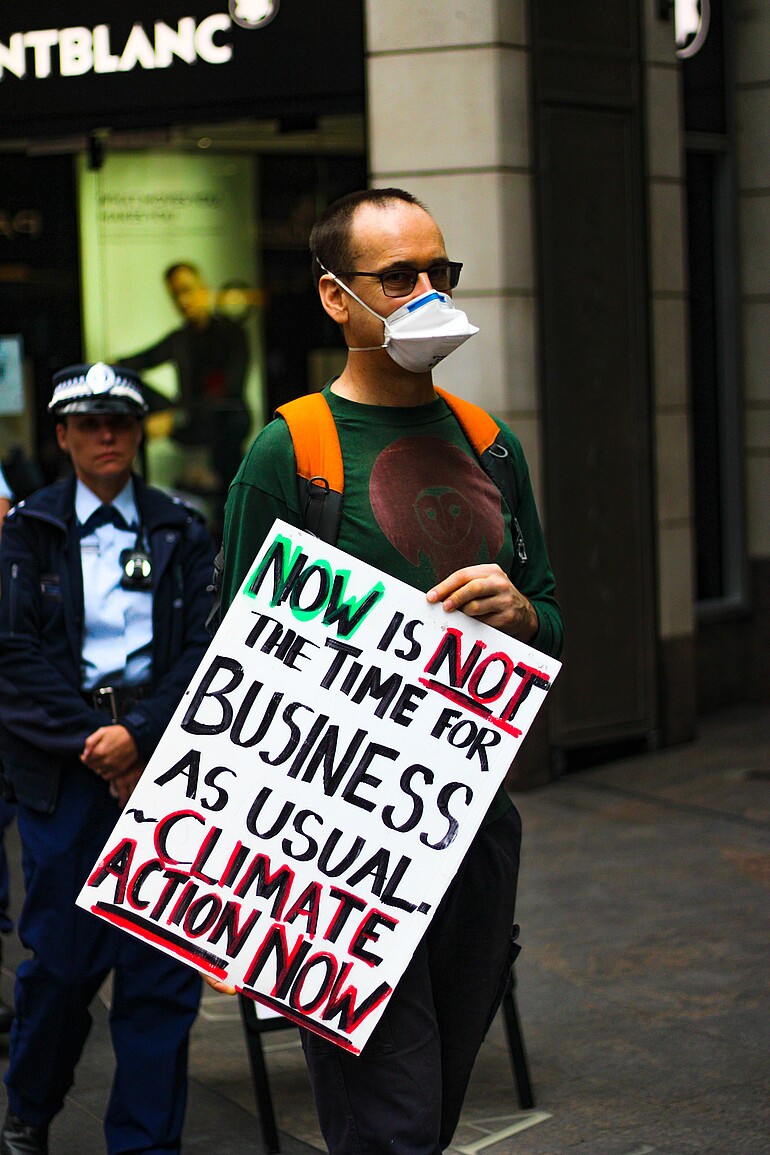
x,y
122,787
487,593
110,752
218,985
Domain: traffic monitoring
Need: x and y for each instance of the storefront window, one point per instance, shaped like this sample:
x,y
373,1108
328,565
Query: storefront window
x,y
196,273
162,167
165,238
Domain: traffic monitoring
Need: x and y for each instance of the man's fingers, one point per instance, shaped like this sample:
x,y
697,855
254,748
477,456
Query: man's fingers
x,y
465,584
218,985
449,586
486,593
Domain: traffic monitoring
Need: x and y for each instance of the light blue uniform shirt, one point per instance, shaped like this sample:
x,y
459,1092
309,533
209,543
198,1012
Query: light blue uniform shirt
x,y
117,635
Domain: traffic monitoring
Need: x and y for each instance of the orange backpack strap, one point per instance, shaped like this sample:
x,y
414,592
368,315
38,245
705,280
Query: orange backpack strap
x,y
480,429
314,434
320,472
321,475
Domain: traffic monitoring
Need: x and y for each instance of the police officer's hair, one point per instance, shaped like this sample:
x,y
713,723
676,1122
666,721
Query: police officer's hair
x,y
330,235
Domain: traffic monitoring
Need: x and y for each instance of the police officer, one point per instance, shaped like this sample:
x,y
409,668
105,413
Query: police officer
x,y
102,624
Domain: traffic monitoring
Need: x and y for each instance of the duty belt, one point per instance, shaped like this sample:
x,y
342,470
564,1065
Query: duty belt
x,y
116,700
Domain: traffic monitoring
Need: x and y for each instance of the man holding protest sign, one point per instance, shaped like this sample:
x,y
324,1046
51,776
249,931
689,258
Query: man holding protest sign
x,y
417,505
104,584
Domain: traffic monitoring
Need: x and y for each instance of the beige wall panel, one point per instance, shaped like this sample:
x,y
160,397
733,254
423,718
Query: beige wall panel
x,y
669,350
486,222
393,25
663,140
441,111
758,483
672,458
675,581
667,239
495,368
658,34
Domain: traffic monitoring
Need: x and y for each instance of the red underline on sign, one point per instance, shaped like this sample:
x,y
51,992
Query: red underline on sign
x,y
471,705
126,920
301,1020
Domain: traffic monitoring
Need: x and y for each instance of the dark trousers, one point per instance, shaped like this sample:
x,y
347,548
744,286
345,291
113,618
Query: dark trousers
x,y
404,1093
154,998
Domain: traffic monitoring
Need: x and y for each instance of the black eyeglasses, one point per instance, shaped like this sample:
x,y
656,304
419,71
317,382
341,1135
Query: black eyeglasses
x,y
401,282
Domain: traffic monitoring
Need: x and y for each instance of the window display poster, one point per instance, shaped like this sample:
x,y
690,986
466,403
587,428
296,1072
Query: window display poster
x,y
141,213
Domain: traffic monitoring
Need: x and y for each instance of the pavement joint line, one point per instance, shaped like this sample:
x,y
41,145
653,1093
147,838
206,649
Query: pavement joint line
x,y
293,1045
672,804
216,1016
523,1123
643,1151
217,997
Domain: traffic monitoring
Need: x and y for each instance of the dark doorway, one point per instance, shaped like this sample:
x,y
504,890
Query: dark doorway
x,y
39,280
590,203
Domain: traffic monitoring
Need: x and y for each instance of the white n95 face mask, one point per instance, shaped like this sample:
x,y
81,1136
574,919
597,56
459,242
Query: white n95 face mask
x,y
422,332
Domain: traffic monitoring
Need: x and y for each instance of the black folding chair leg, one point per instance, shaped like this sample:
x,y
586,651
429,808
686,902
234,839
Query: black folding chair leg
x,y
516,1049
252,1031
259,1076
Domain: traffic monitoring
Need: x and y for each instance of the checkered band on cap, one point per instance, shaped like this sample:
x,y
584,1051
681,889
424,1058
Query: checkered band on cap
x,y
97,388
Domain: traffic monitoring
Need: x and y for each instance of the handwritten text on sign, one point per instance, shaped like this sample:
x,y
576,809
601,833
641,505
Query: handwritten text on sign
x,y
319,785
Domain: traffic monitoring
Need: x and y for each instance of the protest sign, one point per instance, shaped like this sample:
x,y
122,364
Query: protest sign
x,y
318,786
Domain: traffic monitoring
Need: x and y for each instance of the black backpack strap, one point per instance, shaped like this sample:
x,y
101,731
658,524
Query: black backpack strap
x,y
320,471
321,508
483,432
498,466
215,589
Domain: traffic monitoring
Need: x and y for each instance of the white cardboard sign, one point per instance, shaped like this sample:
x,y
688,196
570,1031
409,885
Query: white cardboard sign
x,y
318,786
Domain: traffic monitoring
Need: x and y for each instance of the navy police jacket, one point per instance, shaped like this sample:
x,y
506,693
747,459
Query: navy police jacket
x,y
44,719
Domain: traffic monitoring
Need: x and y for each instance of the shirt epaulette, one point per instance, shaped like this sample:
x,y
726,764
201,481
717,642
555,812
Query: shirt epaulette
x,y
189,509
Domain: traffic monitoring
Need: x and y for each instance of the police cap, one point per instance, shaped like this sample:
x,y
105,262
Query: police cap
x,y
97,388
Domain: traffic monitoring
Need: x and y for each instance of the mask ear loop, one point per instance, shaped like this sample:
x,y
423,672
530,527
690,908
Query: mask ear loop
x,y
345,288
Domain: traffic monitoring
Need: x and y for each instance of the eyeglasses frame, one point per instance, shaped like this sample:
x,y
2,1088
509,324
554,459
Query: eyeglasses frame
x,y
451,265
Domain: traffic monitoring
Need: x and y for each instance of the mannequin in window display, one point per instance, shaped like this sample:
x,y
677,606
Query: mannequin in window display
x,y
211,355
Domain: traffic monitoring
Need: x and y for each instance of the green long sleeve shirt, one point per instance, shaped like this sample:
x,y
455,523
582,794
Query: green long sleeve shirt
x,y
417,505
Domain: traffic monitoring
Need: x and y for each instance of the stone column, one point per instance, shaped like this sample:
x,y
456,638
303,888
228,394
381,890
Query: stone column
x,y
448,93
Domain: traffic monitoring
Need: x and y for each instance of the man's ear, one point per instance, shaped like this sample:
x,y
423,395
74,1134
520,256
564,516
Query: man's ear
x,y
334,299
61,436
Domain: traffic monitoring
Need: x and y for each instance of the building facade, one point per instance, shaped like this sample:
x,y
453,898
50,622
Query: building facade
x,y
602,172
609,194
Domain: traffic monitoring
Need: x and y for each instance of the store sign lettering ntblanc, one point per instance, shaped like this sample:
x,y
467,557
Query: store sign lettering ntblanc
x,y
76,51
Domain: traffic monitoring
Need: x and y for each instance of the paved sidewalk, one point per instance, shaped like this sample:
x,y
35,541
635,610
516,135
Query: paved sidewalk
x,y
642,985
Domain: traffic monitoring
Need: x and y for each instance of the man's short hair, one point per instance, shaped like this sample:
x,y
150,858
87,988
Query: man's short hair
x,y
330,235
